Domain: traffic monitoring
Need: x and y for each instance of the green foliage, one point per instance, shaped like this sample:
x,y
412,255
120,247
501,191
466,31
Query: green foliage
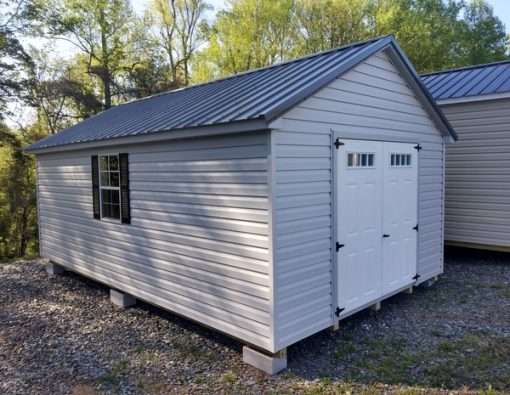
x,y
13,58
181,30
435,34
248,35
484,35
326,24
101,30
18,216
427,30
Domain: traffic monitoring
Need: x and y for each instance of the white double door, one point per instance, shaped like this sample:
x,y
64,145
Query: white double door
x,y
376,220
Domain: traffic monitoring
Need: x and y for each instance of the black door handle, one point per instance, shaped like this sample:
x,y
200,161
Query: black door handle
x,y
385,235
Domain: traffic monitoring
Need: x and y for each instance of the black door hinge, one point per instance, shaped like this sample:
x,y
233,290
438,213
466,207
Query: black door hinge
x,y
338,143
338,245
338,311
415,278
418,147
416,228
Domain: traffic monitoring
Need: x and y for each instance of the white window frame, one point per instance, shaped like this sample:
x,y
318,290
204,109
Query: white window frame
x,y
360,167
109,219
405,154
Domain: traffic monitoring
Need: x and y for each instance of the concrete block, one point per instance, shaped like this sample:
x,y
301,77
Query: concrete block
x,y
428,283
335,327
122,300
409,290
54,269
376,306
271,364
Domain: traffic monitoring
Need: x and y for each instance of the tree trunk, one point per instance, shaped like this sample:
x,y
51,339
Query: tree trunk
x,y
23,234
106,77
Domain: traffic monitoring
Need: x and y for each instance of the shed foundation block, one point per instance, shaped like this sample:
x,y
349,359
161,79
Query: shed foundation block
x,y
54,269
121,300
271,364
430,282
376,306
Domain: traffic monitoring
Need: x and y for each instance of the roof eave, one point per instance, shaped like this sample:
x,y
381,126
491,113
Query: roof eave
x,y
250,125
474,98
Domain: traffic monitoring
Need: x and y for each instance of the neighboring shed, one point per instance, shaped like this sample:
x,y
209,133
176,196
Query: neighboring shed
x,y
267,205
476,101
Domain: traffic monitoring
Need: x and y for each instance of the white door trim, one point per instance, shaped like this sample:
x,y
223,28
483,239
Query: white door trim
x,y
334,135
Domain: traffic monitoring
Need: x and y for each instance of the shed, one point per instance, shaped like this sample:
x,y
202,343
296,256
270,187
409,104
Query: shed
x,y
476,101
268,205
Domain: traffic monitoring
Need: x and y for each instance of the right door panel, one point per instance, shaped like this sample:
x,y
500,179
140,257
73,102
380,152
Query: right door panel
x,y
400,207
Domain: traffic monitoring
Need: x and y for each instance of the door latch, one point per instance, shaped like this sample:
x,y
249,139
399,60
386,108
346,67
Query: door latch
x,y
338,311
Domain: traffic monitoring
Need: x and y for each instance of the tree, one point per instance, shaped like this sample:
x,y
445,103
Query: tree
x,y
248,34
180,24
427,30
100,30
61,92
484,38
13,58
326,24
18,218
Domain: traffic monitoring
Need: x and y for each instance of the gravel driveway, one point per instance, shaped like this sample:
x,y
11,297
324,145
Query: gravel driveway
x,y
62,335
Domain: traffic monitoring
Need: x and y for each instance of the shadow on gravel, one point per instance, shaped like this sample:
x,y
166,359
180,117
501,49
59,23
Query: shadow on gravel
x,y
453,335
143,308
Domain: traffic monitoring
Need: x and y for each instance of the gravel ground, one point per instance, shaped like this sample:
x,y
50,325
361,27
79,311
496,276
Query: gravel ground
x,y
62,335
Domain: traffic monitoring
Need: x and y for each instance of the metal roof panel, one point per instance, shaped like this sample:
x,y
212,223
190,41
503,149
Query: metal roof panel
x,y
258,94
469,81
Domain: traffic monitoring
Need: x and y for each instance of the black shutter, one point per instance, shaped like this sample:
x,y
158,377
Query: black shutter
x,y
95,187
125,212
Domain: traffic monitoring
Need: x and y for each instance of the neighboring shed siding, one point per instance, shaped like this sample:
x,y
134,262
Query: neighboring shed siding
x,y
478,174
198,239
372,99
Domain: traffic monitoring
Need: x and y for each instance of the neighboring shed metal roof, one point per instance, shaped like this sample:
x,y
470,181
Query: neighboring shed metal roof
x,y
261,94
483,79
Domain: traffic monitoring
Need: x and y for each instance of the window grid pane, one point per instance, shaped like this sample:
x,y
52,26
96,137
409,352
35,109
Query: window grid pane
x,y
400,160
109,185
360,160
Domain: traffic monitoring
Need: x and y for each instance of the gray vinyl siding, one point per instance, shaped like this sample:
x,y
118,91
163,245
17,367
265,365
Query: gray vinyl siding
x,y
372,99
478,174
198,240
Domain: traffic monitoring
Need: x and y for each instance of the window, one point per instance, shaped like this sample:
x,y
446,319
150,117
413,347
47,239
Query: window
x,y
360,160
109,185
400,160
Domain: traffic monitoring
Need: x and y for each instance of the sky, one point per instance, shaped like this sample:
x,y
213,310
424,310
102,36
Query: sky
x,y
502,10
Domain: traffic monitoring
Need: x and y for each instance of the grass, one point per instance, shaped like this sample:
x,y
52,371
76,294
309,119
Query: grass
x,y
228,378
503,289
113,376
476,360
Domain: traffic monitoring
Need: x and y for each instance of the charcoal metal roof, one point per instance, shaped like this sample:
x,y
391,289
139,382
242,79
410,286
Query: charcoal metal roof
x,y
484,79
261,94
